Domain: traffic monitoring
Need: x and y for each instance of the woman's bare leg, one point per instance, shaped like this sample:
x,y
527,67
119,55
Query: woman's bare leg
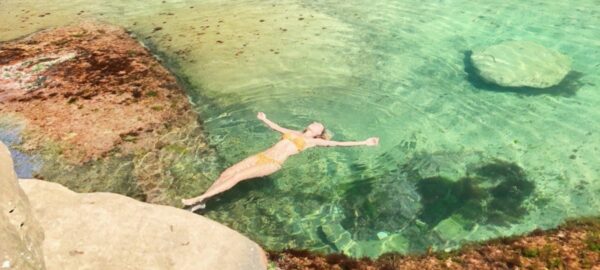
x,y
233,169
227,183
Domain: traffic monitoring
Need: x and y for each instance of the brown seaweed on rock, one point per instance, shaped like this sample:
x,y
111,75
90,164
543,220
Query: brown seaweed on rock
x,y
574,245
109,118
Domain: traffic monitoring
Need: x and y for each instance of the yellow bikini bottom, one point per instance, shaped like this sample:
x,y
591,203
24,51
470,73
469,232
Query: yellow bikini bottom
x,y
262,159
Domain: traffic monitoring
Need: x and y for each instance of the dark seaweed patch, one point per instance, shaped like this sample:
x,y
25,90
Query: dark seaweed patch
x,y
442,197
8,55
378,204
493,194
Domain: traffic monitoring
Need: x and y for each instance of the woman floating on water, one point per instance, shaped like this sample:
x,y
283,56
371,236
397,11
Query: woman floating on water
x,y
269,161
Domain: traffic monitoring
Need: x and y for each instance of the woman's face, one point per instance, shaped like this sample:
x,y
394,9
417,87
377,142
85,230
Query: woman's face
x,y
315,129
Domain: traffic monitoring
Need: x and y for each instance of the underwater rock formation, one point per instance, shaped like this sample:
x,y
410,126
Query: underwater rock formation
x,y
386,206
21,235
432,200
491,194
341,239
102,114
521,63
392,200
111,231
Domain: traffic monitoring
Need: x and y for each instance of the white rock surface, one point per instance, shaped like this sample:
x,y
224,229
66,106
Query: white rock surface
x,y
21,235
110,231
521,63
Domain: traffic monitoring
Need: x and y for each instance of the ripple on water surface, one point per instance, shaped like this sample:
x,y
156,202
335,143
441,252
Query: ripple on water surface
x,y
395,69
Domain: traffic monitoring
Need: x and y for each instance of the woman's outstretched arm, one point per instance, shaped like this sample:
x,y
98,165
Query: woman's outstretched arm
x,y
261,116
369,142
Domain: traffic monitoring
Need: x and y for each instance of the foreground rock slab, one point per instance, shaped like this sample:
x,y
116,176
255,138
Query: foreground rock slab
x,y
21,235
110,231
521,63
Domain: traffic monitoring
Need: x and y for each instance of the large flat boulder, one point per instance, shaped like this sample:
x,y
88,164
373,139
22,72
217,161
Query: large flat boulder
x,y
521,63
21,235
110,231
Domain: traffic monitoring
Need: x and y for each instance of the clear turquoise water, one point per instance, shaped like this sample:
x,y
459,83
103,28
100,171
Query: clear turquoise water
x,y
394,69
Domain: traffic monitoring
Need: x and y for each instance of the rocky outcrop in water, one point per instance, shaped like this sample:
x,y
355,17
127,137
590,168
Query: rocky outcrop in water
x,y
103,114
521,63
21,235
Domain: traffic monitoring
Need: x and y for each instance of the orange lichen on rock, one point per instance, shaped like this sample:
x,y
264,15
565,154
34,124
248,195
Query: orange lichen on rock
x,y
90,88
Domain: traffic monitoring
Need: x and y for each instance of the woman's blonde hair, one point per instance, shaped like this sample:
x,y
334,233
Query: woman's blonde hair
x,y
325,135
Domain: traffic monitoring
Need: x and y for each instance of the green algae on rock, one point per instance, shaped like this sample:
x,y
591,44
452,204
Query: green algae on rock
x,y
521,63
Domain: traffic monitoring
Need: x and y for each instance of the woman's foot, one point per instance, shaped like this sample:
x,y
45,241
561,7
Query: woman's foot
x,y
194,204
197,207
192,201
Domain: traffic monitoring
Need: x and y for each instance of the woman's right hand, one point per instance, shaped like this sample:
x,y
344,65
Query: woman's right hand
x,y
261,116
372,141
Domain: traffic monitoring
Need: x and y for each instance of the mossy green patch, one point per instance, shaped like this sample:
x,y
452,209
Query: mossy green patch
x,y
530,252
592,241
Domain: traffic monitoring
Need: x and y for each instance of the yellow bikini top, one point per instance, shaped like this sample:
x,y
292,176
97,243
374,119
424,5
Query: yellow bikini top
x,y
298,141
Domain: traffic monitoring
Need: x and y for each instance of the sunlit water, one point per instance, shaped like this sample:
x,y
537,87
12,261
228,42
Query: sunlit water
x,y
459,160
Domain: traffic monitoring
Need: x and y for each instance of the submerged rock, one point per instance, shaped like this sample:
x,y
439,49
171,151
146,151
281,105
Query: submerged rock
x,y
21,235
341,239
521,63
110,231
385,206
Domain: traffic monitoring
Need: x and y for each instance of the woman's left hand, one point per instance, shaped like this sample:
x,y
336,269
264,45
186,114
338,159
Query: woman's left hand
x,y
372,141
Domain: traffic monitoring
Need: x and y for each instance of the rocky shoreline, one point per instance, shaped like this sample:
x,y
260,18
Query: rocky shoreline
x,y
574,245
101,114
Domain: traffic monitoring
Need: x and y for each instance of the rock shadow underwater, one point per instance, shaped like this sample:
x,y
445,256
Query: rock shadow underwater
x,y
430,197
492,194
